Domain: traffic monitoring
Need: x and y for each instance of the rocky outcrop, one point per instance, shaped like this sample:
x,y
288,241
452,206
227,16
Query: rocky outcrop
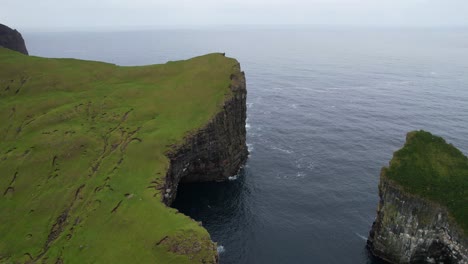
x,y
12,39
410,229
217,150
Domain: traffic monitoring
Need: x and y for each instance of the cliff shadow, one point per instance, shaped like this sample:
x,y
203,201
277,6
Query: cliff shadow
x,y
224,210
201,200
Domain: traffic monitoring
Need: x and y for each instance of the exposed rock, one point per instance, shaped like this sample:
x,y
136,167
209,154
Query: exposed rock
x,y
216,151
12,39
413,229
409,229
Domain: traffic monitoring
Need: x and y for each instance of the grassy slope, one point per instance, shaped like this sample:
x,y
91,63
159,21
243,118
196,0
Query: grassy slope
x,y
80,138
429,167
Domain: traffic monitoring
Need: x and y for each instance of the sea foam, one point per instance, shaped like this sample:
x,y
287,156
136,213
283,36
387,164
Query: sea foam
x,y
220,249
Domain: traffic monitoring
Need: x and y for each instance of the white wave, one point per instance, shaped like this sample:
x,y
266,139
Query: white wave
x,y
282,150
221,249
300,174
250,147
247,125
232,178
361,236
249,105
294,106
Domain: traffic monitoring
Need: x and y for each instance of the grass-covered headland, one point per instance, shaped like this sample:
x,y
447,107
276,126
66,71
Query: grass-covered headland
x,y
431,168
82,157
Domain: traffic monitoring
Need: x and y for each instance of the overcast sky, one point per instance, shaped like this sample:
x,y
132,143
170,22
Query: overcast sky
x,y
115,14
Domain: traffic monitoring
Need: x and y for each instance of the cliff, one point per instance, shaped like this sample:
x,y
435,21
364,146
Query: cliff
x,y
89,149
422,213
12,39
216,151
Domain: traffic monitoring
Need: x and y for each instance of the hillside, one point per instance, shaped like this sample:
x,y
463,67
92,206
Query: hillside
x,y
83,157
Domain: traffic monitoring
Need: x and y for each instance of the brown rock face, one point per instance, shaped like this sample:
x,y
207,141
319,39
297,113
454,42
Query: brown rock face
x,y
216,151
12,39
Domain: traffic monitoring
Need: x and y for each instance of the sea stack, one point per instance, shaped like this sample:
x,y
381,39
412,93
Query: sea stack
x,y
422,216
12,39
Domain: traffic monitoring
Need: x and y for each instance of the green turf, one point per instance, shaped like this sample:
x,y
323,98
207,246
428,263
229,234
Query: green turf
x,y
80,138
429,167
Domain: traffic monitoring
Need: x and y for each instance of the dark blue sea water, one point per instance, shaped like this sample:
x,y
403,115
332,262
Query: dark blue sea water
x,y
327,107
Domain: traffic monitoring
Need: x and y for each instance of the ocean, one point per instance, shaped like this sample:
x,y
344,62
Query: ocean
x,y
327,107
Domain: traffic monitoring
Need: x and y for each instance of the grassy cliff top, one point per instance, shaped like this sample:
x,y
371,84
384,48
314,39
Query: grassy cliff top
x,y
429,167
82,157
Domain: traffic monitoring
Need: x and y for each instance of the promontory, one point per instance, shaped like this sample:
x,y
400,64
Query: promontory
x,y
422,216
91,155
12,39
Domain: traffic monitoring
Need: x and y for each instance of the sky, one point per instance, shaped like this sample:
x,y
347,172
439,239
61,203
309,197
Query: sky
x,y
126,14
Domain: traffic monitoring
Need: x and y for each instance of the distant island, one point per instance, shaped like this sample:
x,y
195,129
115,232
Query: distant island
x,y
12,39
423,211
92,155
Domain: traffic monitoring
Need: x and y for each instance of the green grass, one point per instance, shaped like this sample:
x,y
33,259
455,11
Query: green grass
x,y
80,138
431,168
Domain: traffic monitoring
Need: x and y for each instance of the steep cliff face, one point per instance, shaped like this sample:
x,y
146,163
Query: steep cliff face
x,y
409,229
422,210
12,39
216,151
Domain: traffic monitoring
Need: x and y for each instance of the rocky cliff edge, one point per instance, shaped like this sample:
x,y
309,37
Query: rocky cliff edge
x,y
12,39
216,151
411,228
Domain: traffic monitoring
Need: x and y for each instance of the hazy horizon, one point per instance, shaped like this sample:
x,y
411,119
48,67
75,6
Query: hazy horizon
x,y
55,15
232,27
